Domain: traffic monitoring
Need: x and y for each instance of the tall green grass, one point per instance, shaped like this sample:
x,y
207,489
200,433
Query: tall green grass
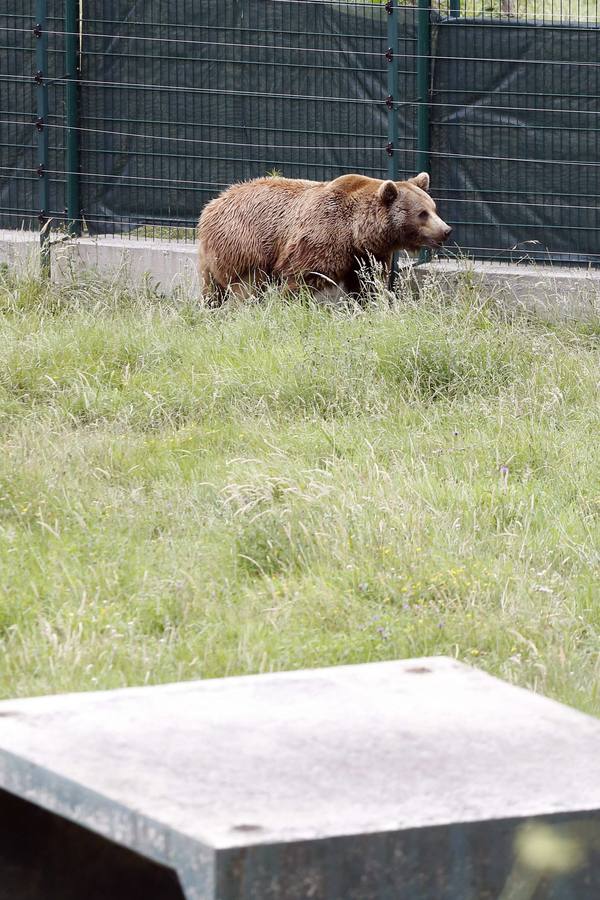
x,y
188,493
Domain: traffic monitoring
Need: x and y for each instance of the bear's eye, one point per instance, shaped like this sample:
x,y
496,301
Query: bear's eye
x,y
423,215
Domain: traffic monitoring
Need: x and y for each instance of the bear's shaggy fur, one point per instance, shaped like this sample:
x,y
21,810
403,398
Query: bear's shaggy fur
x,y
311,232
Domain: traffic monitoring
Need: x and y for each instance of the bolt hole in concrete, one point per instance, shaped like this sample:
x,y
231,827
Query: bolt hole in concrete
x,y
44,857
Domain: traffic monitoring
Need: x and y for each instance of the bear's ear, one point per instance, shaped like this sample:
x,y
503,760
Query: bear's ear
x,y
388,192
421,180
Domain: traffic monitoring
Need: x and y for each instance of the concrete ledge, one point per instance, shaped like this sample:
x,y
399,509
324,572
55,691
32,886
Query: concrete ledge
x,y
413,779
168,265
548,291
20,250
551,292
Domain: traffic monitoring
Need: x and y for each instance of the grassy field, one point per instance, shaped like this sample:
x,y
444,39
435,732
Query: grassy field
x,y
190,493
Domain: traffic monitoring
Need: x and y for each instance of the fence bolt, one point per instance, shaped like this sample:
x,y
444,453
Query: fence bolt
x,y
41,170
389,102
37,31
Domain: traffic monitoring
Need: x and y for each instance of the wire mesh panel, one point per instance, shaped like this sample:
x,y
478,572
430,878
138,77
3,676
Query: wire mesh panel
x,y
19,114
17,104
515,116
181,99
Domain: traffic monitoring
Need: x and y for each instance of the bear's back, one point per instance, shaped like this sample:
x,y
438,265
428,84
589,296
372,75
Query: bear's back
x,y
267,204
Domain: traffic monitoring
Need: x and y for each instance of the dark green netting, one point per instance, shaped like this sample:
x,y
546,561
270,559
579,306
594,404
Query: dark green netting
x,y
239,89
517,131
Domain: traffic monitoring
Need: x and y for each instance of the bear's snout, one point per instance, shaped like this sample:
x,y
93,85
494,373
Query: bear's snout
x,y
441,233
433,231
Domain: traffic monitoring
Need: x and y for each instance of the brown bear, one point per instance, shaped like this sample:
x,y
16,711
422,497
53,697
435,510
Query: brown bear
x,y
318,233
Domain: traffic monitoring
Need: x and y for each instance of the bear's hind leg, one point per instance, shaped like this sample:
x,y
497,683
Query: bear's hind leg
x,y
212,292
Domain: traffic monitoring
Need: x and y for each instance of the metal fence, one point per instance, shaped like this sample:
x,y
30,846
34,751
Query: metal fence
x,y
127,117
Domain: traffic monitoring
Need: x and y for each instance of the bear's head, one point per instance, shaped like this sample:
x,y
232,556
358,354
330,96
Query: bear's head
x,y
413,221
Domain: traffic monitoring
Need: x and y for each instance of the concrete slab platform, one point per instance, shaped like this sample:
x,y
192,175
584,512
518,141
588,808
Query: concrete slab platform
x,y
405,779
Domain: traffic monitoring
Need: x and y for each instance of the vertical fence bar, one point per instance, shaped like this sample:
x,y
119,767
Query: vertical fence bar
x,y
454,10
72,110
423,83
41,81
391,56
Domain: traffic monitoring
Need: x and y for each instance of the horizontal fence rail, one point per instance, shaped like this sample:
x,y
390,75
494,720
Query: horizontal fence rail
x,y
122,118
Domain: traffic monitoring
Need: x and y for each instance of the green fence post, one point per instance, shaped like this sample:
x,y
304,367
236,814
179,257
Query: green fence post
x,y
391,103
423,82
454,9
72,109
41,81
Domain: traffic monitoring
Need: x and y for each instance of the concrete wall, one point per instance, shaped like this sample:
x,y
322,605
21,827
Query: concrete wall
x,y
548,291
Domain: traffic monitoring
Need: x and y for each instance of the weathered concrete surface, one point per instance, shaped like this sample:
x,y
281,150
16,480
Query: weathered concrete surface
x,y
20,249
169,266
549,292
373,781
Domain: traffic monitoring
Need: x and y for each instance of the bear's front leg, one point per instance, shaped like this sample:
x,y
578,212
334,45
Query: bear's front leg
x,y
352,284
362,281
